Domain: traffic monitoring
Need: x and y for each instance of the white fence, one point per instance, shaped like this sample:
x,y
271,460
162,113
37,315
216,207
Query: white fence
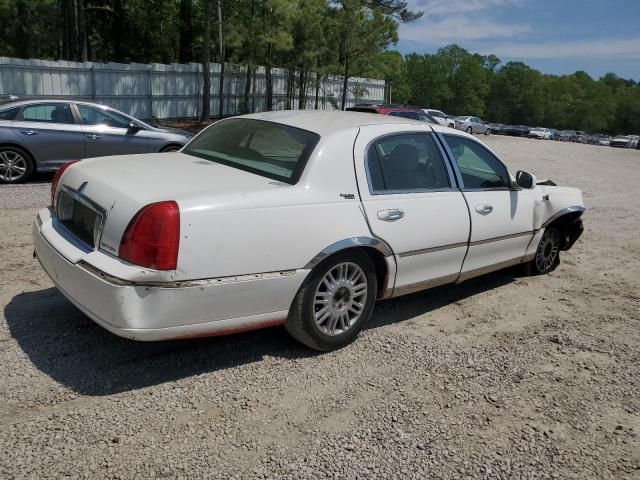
x,y
171,91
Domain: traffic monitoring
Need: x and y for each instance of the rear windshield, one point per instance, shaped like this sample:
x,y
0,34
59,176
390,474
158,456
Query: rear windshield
x,y
269,149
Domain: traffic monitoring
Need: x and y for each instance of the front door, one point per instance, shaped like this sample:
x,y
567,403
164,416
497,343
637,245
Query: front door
x,y
49,131
411,203
106,132
501,214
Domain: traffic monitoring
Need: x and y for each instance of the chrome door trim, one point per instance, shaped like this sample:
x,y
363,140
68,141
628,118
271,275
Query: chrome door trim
x,y
432,249
488,268
424,285
503,237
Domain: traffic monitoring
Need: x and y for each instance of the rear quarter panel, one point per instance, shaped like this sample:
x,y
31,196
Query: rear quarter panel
x,y
280,229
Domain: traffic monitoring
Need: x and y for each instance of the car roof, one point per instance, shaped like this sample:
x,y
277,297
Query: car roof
x,y
327,122
30,100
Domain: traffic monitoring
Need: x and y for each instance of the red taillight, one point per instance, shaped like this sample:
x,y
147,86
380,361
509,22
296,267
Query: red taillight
x,y
56,179
152,237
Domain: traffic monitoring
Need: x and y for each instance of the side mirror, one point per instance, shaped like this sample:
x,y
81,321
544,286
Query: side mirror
x,y
133,126
525,180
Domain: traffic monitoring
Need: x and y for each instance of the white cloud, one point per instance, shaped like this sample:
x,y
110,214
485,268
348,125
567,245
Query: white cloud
x,y
447,7
459,28
604,48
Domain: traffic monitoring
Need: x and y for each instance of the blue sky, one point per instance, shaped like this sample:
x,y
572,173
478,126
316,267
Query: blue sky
x,y
554,36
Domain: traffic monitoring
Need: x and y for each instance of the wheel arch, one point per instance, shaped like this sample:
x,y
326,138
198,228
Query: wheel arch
x,y
379,253
170,144
569,222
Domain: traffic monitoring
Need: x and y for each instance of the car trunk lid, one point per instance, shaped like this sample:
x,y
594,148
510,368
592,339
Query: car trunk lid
x,y
120,186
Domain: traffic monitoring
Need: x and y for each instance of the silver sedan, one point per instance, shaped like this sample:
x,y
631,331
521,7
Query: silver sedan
x,y
472,125
40,135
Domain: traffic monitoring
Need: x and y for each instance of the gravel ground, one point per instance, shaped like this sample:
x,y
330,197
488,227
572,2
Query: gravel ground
x,y
501,377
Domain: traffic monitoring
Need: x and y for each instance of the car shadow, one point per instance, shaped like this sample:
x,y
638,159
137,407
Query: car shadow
x,y
70,348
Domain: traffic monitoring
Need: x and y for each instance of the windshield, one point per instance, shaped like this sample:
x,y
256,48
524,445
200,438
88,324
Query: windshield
x,y
269,149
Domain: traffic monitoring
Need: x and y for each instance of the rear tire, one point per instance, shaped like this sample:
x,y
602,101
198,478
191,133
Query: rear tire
x,y
487,132
16,165
547,256
335,302
469,130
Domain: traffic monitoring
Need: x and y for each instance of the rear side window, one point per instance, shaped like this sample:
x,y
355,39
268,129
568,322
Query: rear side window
x,y
412,115
269,149
102,116
479,167
48,113
406,162
9,114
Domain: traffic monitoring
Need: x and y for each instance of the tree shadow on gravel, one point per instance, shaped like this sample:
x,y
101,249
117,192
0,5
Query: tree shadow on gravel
x,y
69,347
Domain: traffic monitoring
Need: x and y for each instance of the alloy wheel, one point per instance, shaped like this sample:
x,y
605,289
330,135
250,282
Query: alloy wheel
x,y
13,166
547,253
340,298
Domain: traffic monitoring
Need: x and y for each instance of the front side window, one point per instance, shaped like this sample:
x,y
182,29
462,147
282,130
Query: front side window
x,y
269,149
102,116
406,162
479,167
48,113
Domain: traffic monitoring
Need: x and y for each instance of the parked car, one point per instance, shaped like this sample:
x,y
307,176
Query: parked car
x,y
414,113
295,218
599,139
472,125
516,130
581,137
40,135
604,140
540,133
635,140
621,141
554,134
440,117
497,128
568,136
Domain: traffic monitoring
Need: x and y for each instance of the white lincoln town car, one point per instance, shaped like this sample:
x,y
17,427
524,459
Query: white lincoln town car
x,y
301,219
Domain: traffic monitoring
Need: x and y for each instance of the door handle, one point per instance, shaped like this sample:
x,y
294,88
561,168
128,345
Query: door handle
x,y
391,215
484,209
28,132
93,136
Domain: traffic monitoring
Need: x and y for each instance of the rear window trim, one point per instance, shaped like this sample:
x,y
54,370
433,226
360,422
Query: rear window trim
x,y
300,164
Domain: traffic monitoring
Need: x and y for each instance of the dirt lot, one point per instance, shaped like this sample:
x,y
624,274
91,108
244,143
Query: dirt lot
x,y
502,377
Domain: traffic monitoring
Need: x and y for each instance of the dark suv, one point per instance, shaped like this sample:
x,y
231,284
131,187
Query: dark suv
x,y
406,111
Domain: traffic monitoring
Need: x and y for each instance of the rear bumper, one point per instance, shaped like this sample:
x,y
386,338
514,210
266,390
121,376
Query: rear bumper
x,y
170,310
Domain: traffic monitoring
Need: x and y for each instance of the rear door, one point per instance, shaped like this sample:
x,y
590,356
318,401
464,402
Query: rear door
x,y
107,132
501,214
411,202
50,132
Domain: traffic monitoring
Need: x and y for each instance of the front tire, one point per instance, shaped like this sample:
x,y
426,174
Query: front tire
x,y
171,148
335,302
487,132
16,165
547,256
